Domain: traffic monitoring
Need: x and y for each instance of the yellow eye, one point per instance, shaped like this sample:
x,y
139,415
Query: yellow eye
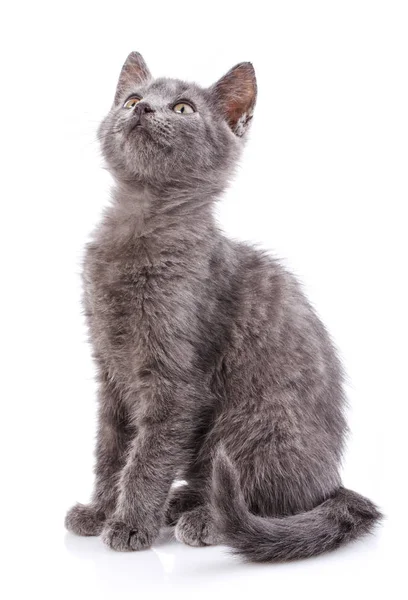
x,y
131,102
183,108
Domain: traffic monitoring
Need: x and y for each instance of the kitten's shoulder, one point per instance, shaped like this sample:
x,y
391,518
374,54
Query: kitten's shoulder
x,y
257,266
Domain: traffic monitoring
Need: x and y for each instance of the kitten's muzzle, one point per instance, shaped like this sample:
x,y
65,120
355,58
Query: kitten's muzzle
x,y
139,112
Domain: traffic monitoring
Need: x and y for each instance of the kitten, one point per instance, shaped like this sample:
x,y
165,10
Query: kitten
x,y
212,365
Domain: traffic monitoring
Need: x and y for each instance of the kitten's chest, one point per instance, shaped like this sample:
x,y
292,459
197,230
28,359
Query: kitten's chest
x,y
136,308
124,301
129,297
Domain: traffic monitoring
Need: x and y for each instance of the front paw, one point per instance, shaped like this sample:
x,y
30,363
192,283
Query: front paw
x,y
85,519
124,538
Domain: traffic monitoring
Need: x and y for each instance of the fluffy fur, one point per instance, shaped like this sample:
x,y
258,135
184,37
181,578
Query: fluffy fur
x,y
212,365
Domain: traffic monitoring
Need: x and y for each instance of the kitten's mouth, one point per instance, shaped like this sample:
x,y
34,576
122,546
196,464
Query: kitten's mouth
x,y
139,128
136,124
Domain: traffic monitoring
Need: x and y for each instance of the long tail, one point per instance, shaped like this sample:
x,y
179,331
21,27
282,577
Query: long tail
x,y
343,517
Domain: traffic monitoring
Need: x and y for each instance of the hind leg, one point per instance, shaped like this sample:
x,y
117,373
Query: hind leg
x,y
195,492
197,528
190,506
181,500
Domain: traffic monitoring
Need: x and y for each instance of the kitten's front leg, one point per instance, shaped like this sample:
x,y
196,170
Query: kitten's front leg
x,y
156,454
112,442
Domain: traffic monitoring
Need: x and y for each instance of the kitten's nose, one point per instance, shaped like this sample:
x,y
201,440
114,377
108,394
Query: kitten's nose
x,y
142,108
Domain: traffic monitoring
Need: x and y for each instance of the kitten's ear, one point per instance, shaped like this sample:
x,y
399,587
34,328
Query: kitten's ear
x,y
133,71
235,95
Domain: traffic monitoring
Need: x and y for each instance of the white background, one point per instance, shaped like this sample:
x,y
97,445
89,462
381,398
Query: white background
x,y
323,184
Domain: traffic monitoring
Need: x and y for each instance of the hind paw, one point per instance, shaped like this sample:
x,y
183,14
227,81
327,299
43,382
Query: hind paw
x,y
182,499
196,528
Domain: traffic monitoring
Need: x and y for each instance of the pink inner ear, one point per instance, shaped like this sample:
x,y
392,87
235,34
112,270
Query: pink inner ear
x,y
239,105
133,71
236,92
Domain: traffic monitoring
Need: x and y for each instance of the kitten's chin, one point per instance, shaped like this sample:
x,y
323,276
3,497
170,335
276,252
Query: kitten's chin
x,y
138,133
138,127
142,138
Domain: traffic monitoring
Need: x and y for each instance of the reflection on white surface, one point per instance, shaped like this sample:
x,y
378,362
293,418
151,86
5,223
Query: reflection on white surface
x,y
171,568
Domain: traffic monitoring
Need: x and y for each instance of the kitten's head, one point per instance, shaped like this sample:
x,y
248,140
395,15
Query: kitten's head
x,y
168,132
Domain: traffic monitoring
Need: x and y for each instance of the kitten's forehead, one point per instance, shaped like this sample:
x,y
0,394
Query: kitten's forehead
x,y
173,88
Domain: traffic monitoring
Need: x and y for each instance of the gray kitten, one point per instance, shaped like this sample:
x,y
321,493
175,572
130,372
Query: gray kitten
x,y
212,365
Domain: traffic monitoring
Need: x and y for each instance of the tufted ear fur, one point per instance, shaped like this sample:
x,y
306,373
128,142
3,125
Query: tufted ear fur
x,y
133,71
235,95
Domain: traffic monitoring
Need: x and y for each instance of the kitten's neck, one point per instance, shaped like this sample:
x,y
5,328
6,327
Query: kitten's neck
x,y
164,221
159,207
